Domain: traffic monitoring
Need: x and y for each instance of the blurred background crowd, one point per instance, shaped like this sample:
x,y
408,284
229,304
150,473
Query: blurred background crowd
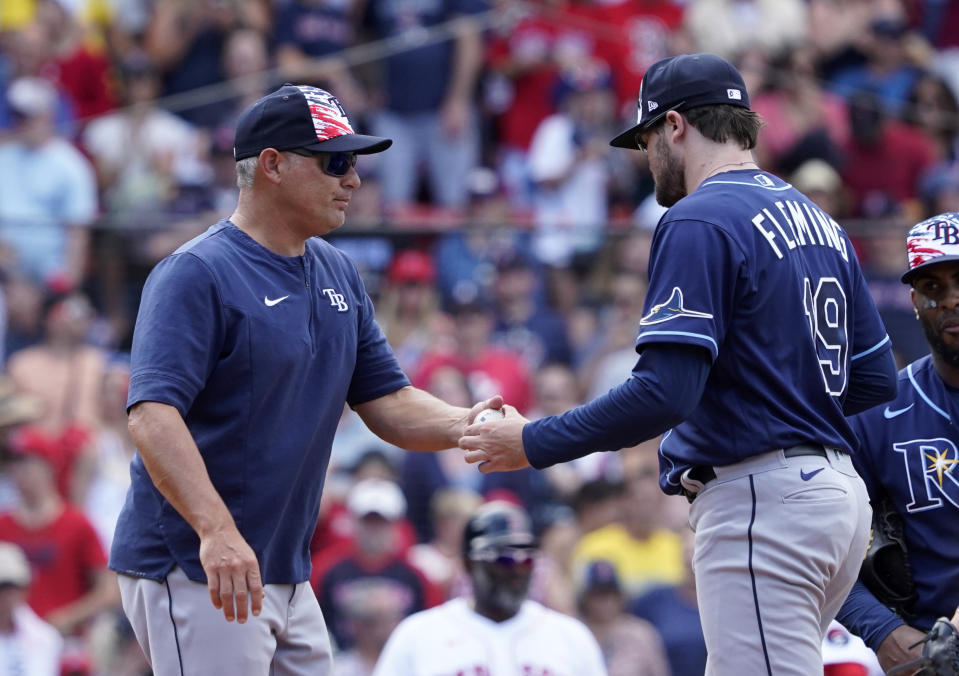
x,y
503,242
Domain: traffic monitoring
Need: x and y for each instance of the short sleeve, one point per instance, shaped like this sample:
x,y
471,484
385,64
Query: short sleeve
x,y
80,198
869,333
91,554
694,270
178,334
377,372
590,653
551,151
396,658
283,33
469,6
861,457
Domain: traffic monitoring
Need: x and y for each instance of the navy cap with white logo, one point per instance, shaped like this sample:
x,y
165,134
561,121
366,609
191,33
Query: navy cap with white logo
x,y
680,83
300,117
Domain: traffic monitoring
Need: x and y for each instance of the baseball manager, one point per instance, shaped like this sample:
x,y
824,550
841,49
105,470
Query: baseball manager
x,y
248,341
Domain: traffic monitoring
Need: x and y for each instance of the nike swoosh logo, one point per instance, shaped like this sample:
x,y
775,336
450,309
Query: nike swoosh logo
x,y
270,302
807,477
889,414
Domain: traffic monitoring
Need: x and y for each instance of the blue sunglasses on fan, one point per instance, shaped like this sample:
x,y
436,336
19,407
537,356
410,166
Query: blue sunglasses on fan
x,y
335,164
509,557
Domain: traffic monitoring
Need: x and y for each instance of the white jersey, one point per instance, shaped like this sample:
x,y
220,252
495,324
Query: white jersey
x,y
33,648
841,647
453,639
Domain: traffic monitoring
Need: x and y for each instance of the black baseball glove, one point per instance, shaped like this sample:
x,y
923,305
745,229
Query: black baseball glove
x,y
940,653
885,569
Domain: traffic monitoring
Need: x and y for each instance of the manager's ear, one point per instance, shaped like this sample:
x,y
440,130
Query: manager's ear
x,y
271,164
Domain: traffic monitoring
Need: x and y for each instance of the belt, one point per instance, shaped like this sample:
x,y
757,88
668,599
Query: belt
x,y
704,473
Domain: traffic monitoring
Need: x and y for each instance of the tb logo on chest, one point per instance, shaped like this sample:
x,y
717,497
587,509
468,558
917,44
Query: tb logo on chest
x,y
336,300
930,471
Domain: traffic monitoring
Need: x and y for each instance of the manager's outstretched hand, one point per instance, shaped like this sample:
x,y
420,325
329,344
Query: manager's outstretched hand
x,y
497,445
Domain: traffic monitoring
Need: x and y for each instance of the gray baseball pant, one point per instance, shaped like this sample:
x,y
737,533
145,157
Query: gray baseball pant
x,y
182,634
778,546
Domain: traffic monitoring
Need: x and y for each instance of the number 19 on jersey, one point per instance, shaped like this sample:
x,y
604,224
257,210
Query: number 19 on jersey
x,y
826,313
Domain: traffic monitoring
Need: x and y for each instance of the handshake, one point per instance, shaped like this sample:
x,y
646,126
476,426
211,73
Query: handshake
x,y
494,437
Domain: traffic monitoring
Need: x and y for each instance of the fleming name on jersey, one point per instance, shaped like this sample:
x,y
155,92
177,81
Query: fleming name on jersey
x,y
806,225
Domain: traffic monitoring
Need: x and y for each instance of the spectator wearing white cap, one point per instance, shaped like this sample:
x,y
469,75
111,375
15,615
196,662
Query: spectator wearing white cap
x,y
376,555
28,645
47,188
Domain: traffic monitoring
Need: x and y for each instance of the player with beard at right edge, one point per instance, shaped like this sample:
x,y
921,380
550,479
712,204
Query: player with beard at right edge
x,y
758,337
907,458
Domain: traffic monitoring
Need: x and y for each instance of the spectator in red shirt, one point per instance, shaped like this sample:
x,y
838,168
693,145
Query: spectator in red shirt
x,y
903,153
487,368
71,583
631,35
80,64
523,73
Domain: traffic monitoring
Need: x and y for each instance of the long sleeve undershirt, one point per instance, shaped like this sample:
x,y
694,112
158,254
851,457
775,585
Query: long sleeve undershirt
x,y
664,388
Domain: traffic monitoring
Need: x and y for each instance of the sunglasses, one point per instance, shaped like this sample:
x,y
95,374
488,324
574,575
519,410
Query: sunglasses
x,y
333,164
642,145
507,558
651,130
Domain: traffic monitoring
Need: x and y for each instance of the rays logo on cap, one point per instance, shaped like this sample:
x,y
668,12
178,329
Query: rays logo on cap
x,y
932,239
671,309
329,118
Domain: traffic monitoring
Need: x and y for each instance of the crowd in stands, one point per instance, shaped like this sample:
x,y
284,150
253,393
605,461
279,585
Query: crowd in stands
x,y
503,242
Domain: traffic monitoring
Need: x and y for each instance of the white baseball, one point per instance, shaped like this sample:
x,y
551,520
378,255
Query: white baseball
x,y
488,414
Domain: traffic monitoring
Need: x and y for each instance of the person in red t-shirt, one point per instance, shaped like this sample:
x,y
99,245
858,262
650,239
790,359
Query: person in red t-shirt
x,y
71,582
521,53
905,155
488,368
630,36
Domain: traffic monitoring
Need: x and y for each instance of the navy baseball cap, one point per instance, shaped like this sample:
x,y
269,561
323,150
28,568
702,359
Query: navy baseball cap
x,y
601,575
300,117
680,83
934,240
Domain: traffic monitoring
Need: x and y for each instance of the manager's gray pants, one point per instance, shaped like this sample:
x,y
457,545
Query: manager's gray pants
x,y
182,634
778,546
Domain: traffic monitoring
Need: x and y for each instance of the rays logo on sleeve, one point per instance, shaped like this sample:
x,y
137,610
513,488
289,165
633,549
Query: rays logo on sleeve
x,y
671,309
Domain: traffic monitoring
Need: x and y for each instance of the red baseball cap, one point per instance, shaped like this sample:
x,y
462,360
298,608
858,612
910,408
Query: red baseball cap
x,y
411,266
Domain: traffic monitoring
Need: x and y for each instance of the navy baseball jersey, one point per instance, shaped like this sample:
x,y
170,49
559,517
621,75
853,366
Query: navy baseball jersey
x,y
909,453
258,352
754,272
